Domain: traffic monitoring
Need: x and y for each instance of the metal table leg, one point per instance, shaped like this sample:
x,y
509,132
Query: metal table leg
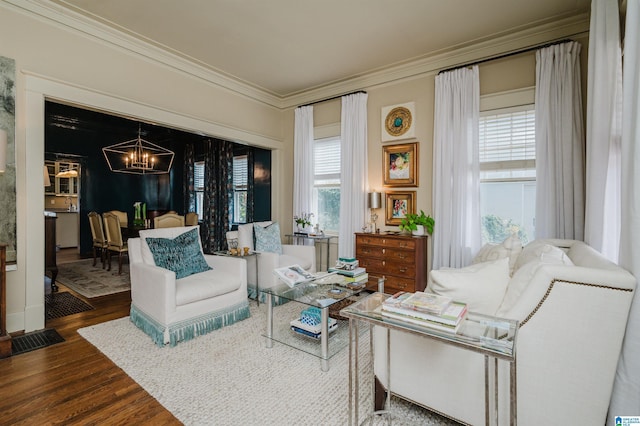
x,y
324,339
269,321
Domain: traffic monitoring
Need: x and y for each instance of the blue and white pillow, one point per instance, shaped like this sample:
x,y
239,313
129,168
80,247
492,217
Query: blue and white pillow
x,y
268,238
181,255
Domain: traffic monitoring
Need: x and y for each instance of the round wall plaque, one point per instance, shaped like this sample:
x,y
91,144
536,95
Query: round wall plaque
x,y
398,121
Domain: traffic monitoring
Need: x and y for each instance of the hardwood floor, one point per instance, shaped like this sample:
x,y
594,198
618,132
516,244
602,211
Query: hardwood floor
x,y
72,383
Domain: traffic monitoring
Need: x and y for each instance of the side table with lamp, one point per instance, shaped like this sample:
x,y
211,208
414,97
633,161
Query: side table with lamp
x,y
375,202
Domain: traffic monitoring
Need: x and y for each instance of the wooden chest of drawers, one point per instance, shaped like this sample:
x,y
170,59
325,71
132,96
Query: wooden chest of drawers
x,y
401,259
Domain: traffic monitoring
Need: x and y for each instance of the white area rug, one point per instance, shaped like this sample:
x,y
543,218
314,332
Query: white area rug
x,y
229,377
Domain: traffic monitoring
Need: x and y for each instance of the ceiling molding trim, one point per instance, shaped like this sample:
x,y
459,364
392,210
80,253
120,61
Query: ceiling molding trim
x,y
57,15
75,95
565,28
64,18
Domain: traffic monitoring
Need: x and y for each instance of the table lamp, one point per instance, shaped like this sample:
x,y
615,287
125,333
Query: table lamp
x,y
375,202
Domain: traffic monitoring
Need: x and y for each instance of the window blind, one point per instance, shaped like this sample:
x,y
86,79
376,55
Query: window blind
x,y
508,137
240,172
198,175
326,156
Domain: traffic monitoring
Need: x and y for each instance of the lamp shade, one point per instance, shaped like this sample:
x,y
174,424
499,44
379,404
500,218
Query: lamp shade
x,y
375,200
3,150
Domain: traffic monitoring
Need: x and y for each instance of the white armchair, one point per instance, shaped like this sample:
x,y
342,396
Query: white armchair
x,y
260,268
171,309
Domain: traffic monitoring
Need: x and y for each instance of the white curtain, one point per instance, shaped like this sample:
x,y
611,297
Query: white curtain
x,y
353,170
626,392
456,183
303,161
559,143
604,129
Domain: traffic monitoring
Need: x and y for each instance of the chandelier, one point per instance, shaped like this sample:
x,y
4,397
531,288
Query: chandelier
x,y
138,156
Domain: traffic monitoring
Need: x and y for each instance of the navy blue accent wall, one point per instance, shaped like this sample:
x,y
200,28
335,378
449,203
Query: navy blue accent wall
x,y
78,134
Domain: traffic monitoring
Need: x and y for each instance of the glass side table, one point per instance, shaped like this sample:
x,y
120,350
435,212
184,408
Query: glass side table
x,y
314,293
299,238
491,336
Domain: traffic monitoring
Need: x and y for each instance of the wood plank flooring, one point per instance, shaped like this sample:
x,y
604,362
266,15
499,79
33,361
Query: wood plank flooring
x,y
72,383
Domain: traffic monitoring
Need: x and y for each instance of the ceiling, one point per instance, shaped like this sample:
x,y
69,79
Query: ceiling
x,y
286,47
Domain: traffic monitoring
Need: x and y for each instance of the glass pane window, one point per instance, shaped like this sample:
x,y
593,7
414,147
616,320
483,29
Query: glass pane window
x,y
508,174
326,184
198,186
240,184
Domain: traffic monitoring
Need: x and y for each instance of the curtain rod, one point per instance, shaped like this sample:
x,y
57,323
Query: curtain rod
x,y
505,55
332,98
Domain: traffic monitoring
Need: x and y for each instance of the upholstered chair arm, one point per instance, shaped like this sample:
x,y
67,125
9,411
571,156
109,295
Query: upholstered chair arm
x,y
308,253
153,290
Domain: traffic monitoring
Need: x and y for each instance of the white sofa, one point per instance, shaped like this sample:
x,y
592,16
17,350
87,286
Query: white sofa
x,y
260,268
171,310
573,320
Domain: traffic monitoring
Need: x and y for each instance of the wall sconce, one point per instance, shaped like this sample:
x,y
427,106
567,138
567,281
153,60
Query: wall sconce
x,y
3,150
375,202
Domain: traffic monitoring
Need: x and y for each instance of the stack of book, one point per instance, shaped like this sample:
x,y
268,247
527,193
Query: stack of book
x,y
430,310
309,324
355,277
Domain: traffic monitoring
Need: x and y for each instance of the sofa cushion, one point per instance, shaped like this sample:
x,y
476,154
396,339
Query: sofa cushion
x,y
181,254
539,251
481,286
268,238
205,285
510,247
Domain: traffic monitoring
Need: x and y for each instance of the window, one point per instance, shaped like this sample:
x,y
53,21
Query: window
x,y
508,173
326,184
198,186
240,184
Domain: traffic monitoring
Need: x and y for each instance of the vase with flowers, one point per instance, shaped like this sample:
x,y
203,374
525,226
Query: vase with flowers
x,y
303,222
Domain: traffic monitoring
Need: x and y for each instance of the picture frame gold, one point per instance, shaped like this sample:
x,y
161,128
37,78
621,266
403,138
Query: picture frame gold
x,y
400,164
398,204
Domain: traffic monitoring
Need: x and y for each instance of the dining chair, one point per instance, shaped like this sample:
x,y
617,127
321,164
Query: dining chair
x,y
99,237
123,217
115,242
169,220
191,219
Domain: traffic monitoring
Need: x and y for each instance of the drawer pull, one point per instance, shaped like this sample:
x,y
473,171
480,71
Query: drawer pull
x,y
403,269
384,251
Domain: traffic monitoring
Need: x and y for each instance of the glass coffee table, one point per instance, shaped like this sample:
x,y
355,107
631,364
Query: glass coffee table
x,y
322,292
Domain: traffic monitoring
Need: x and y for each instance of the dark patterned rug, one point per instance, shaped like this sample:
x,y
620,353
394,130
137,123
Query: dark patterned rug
x,y
93,281
61,304
35,340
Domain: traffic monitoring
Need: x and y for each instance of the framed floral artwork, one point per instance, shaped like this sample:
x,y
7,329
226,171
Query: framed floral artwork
x,y
398,205
400,164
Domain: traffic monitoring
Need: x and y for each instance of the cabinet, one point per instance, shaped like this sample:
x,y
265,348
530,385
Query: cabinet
x,y
400,259
62,185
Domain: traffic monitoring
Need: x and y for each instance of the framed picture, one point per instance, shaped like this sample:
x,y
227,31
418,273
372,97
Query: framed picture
x,y
400,164
398,205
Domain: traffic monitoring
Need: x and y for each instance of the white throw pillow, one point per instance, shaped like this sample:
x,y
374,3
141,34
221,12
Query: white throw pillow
x,y
245,234
481,286
545,253
510,247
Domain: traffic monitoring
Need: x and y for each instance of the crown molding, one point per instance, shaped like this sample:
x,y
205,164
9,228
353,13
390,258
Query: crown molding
x,y
470,52
432,64
67,19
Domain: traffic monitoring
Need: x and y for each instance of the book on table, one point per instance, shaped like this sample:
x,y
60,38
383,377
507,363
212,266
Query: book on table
x,y
420,301
293,275
349,273
309,330
452,316
422,322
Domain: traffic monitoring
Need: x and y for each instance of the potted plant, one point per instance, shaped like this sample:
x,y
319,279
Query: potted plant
x,y
417,223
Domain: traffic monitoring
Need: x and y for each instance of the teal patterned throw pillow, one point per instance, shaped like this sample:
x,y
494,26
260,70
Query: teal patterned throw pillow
x,y
268,238
181,255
